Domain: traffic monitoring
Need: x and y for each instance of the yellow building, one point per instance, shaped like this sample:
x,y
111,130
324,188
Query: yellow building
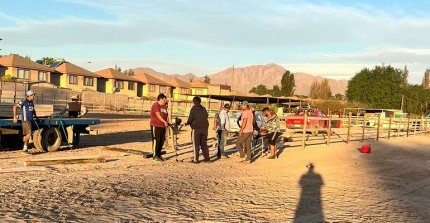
x,y
219,89
153,86
181,89
114,81
199,88
24,69
68,75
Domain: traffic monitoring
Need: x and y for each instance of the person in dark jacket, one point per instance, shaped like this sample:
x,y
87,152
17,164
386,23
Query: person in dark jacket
x,y
198,120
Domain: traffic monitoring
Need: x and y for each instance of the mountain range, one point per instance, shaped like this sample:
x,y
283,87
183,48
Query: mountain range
x,y
244,78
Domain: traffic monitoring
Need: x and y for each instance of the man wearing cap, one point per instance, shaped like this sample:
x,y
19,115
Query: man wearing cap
x,y
245,133
223,127
28,113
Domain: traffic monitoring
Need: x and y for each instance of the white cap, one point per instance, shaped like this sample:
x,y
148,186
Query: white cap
x,y
29,93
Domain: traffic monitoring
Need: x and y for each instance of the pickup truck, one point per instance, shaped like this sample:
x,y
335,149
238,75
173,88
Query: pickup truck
x,y
314,126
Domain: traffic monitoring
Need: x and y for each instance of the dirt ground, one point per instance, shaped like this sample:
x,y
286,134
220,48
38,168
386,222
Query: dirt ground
x,y
391,184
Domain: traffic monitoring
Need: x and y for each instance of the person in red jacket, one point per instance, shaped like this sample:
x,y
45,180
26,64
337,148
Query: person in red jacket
x,y
158,126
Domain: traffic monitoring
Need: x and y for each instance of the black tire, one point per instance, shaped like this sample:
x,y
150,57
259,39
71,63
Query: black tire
x,y
37,139
51,139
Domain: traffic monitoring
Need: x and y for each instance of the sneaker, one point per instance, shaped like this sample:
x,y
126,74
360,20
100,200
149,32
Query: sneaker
x,y
271,157
25,152
225,156
194,162
157,158
161,158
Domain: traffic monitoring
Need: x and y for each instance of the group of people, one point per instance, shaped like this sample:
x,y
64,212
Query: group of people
x,y
198,120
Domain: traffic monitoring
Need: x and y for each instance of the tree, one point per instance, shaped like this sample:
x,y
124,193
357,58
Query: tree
x,y
129,72
48,61
276,91
207,79
260,90
415,99
320,90
405,76
426,81
380,87
117,68
287,84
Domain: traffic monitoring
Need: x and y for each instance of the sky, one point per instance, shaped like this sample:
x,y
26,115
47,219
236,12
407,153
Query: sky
x,y
333,39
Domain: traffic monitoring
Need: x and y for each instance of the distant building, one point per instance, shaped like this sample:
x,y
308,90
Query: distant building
x,y
114,81
181,89
219,89
68,75
24,69
152,86
199,88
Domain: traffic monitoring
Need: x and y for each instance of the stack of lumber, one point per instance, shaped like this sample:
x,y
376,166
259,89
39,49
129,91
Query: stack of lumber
x,y
41,110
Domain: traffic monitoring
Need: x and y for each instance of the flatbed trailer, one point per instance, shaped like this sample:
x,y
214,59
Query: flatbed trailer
x,y
50,133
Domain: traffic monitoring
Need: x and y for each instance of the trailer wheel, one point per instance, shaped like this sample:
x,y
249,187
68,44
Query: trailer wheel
x,y
51,139
37,139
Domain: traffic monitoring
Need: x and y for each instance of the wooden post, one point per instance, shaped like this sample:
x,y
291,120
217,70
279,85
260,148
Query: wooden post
x,y
349,127
170,117
378,127
415,126
389,127
407,128
364,127
425,127
305,123
421,124
329,128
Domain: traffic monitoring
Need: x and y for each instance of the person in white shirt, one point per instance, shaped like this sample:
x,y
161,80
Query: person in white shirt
x,y
223,127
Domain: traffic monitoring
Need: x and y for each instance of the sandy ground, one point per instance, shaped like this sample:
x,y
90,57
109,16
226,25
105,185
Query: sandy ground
x,y
392,184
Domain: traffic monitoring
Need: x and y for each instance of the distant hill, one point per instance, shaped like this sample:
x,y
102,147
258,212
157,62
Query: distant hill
x,y
244,78
164,76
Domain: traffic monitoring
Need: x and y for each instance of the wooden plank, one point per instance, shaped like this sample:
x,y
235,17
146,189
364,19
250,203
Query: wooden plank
x,y
62,161
22,169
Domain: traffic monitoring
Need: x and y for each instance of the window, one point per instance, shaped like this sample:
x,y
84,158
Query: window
x,y
88,81
151,88
23,74
200,91
73,79
130,86
185,91
42,76
119,84
161,89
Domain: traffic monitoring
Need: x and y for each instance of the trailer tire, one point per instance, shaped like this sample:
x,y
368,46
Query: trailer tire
x,y
51,139
37,139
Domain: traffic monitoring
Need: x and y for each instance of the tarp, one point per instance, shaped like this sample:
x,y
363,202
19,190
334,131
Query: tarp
x,y
254,99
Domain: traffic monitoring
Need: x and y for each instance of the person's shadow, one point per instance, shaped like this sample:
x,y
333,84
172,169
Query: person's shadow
x,y
309,208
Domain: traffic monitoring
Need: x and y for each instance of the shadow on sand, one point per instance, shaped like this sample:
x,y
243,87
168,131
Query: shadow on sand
x,y
309,208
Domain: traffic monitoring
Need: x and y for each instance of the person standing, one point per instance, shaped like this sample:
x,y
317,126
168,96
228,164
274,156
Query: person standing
x,y
158,126
273,129
223,127
198,120
245,134
28,114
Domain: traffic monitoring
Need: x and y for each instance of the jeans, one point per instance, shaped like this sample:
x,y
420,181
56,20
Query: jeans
x,y
222,140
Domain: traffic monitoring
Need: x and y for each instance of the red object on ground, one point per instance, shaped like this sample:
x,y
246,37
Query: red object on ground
x,y
366,149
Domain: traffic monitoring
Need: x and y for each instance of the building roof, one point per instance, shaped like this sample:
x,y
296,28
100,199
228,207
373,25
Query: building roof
x,y
148,79
15,60
71,69
176,82
198,84
110,73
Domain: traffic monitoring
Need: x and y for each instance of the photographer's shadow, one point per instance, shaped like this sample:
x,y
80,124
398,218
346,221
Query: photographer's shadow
x,y
309,208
